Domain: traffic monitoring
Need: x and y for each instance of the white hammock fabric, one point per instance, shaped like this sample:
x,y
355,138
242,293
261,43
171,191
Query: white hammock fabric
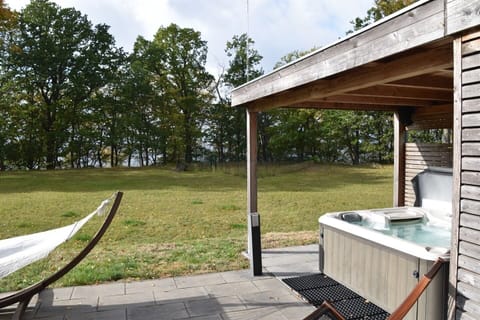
x,y
17,252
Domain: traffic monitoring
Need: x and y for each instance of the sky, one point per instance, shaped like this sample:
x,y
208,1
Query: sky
x,y
277,26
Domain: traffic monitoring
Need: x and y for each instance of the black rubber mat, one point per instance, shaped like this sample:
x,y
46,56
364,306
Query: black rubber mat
x,y
316,296
319,288
310,282
357,308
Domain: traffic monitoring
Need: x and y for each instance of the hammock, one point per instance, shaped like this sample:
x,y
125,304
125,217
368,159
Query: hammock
x,y
17,252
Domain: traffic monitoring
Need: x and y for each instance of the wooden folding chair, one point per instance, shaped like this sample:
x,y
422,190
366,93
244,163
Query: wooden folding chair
x,y
327,309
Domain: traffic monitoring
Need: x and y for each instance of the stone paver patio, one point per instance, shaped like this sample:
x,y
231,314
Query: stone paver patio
x,y
226,296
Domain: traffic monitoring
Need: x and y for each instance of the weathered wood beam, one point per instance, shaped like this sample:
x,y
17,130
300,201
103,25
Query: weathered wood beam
x,y
457,159
434,82
461,15
382,101
434,109
426,108
345,106
405,92
406,66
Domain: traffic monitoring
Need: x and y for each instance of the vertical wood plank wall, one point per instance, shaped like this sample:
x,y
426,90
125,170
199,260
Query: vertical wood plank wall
x,y
467,181
419,156
399,161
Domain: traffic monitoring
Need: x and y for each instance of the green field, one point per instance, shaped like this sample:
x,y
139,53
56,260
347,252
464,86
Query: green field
x,y
175,223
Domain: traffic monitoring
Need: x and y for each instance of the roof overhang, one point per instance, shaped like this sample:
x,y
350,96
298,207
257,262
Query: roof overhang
x,y
404,60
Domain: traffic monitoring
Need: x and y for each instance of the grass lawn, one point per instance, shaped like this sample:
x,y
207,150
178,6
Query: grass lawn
x,y
175,223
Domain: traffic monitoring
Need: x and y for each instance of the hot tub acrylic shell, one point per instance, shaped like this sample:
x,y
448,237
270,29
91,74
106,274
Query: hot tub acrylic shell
x,y
381,268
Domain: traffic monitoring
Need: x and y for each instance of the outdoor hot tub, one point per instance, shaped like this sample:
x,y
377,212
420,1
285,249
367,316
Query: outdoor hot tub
x,y
382,253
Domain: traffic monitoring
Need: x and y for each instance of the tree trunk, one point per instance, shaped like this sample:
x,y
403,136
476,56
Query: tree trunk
x,y
2,162
140,155
188,138
51,152
99,158
356,149
112,155
164,154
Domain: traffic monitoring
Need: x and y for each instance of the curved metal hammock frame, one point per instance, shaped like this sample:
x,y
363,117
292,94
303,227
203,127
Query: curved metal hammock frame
x,y
24,296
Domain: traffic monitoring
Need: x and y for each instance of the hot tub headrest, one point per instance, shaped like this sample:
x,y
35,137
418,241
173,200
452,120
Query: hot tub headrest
x,y
433,184
351,217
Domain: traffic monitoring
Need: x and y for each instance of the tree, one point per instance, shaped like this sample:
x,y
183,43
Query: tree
x,y
382,8
292,56
243,66
182,55
295,133
144,93
218,121
61,60
7,25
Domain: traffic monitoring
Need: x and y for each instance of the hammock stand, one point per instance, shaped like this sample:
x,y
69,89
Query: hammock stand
x,y
24,296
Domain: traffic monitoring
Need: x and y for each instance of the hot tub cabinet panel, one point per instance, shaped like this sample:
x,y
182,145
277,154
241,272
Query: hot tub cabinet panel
x,y
379,273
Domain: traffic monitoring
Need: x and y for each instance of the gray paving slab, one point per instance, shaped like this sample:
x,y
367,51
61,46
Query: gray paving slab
x,y
141,286
111,289
165,311
121,301
270,298
210,317
67,308
259,313
117,314
214,306
240,276
199,280
229,289
271,284
57,293
287,256
298,311
292,270
232,295
31,304
8,314
162,297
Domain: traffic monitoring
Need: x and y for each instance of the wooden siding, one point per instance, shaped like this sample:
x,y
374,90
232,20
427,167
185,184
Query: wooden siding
x,y
399,137
418,157
467,181
461,15
438,117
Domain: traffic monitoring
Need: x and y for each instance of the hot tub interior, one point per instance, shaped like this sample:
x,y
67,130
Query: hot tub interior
x,y
411,224
429,224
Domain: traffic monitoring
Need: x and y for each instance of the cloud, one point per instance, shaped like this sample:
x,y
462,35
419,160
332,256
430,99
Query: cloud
x,y
277,26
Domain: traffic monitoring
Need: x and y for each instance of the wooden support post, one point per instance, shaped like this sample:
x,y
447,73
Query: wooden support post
x,y
457,169
398,161
254,238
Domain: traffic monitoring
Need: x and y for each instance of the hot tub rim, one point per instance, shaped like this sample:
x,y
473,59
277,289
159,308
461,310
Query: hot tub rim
x,y
332,220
